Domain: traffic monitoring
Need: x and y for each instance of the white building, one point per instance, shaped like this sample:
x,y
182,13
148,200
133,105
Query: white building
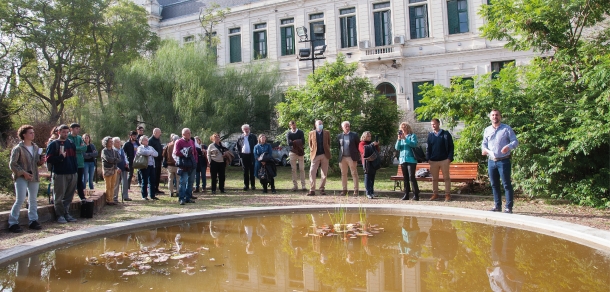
x,y
399,44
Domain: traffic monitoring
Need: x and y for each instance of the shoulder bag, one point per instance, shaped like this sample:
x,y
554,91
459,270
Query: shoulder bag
x,y
140,162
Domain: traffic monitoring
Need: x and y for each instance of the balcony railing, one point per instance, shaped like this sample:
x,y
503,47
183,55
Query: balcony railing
x,y
381,50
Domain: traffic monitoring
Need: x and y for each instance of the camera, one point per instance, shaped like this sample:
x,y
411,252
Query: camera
x,y
399,132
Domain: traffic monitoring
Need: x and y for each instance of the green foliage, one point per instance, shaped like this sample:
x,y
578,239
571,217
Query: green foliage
x,y
6,181
209,18
181,86
334,94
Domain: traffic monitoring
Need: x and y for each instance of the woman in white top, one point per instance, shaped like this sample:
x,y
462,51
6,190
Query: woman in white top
x,y
217,163
147,174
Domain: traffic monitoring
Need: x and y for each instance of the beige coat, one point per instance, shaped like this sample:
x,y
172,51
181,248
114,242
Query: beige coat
x,y
22,161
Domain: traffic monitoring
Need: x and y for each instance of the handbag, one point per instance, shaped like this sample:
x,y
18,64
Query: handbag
x,y
262,173
140,162
418,154
109,171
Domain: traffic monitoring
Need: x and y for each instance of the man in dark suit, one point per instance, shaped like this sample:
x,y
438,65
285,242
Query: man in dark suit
x,y
130,151
348,156
155,142
245,147
319,145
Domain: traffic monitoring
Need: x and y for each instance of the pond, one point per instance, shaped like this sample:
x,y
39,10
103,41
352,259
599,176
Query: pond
x,y
319,251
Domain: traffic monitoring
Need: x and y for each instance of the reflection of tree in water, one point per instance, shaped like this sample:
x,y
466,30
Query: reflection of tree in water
x,y
546,263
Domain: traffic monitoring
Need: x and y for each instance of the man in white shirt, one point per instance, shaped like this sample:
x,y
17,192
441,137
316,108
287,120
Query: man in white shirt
x,y
245,147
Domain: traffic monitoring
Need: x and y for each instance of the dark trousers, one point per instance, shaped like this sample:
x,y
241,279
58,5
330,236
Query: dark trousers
x,y
130,176
217,171
80,185
268,182
501,170
247,161
158,172
148,179
408,174
369,181
200,174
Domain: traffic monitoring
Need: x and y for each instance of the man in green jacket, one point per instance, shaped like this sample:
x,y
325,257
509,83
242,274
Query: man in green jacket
x,y
80,160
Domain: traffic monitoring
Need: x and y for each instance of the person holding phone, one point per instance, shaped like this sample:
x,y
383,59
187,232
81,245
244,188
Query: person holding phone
x,y
405,143
25,160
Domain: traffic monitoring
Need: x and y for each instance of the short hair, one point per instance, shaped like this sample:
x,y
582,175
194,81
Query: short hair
x,y
114,139
291,122
142,138
105,141
140,128
436,121
407,127
214,135
155,129
364,134
345,123
74,125
495,110
184,130
62,127
261,136
175,137
24,129
133,133
245,126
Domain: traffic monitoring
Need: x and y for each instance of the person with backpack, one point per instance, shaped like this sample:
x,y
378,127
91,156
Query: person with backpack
x,y
371,161
440,155
405,144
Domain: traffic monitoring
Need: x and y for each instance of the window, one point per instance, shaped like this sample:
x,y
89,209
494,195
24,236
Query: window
x,y
234,45
348,27
383,24
287,37
211,46
318,39
418,20
457,16
188,39
388,90
417,96
260,41
496,67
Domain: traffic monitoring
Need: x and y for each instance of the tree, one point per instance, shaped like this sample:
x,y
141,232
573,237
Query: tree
x,y
209,18
334,94
559,106
181,86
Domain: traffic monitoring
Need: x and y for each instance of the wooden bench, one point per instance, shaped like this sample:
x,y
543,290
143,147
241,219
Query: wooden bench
x,y
459,172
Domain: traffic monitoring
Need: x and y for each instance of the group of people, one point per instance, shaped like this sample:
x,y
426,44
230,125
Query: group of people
x,y
71,160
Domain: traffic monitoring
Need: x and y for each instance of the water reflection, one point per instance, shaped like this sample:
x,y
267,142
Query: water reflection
x,y
315,252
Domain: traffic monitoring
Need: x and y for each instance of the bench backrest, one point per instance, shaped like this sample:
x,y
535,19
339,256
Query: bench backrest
x,y
457,170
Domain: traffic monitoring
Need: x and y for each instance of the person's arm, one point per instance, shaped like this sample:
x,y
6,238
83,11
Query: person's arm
x,y
411,140
53,155
484,145
78,141
450,141
177,147
288,141
310,142
399,143
14,163
428,147
513,140
361,148
209,150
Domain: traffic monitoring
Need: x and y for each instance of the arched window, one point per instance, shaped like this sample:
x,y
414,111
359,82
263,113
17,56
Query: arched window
x,y
388,90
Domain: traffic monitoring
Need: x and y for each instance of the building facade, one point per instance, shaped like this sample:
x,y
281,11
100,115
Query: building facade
x,y
398,44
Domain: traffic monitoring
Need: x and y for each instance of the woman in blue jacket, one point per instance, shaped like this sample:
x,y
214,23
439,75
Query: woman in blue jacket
x,y
405,144
265,161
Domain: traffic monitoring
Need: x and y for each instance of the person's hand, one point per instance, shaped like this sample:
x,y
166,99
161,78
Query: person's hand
x,y
484,152
375,143
28,176
64,154
505,149
118,171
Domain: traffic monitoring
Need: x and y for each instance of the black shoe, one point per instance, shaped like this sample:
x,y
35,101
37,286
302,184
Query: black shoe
x,y
193,197
213,192
253,188
496,210
145,198
196,189
190,202
405,197
273,192
161,192
35,225
508,211
155,198
222,192
181,202
15,228
415,198
264,191
246,188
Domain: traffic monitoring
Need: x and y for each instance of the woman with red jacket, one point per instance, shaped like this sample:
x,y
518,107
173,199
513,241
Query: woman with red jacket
x,y
365,153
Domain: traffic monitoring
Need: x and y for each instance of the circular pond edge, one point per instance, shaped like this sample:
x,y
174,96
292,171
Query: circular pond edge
x,y
591,237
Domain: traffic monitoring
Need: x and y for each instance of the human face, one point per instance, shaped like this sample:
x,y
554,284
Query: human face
x,y
87,140
63,134
157,133
75,131
263,139
109,144
293,126
133,137
144,142
246,130
216,139
495,117
367,137
141,131
28,136
346,128
435,126
117,144
186,135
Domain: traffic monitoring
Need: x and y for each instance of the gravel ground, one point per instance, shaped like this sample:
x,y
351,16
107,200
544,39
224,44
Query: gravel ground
x,y
142,209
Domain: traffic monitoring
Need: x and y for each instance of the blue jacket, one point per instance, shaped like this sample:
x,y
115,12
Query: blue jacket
x,y
404,146
258,150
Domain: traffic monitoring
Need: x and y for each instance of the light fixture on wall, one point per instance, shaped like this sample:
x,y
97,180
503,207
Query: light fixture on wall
x,y
348,54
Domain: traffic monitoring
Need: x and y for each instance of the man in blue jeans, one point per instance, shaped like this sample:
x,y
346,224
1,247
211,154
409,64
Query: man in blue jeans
x,y
498,141
187,175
